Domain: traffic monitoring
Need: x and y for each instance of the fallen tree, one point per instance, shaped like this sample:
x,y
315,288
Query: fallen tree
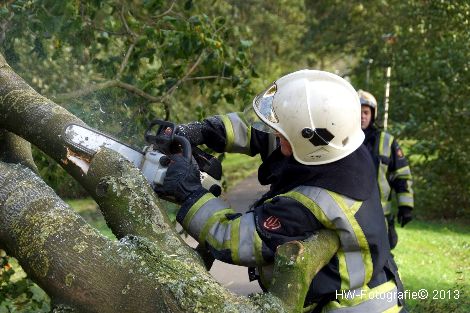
x,y
150,268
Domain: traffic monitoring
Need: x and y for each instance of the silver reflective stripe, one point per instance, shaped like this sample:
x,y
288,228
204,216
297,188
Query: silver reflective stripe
x,y
220,232
246,243
241,142
384,186
386,144
203,214
376,302
349,241
405,199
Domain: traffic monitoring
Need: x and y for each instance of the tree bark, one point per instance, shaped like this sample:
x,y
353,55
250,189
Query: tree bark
x,y
14,149
150,269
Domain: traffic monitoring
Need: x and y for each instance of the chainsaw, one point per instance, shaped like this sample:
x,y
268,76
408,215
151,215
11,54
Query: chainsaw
x,y
153,159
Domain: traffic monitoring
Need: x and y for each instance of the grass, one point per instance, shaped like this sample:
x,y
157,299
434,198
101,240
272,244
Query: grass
x,y
435,256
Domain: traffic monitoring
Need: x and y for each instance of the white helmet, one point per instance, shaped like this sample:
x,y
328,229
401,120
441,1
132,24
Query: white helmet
x,y
368,99
319,113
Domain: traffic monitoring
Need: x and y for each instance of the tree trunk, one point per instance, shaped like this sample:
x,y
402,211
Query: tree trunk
x,y
150,269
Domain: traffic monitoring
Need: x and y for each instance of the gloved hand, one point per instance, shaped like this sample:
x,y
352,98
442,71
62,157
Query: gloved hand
x,y
404,215
181,180
192,131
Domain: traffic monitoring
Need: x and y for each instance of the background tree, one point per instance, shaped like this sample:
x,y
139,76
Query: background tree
x,y
429,55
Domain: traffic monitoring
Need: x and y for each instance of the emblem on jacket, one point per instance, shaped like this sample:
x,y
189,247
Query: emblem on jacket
x,y
272,223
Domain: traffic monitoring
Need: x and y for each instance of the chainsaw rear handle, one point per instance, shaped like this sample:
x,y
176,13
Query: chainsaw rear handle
x,y
163,140
160,139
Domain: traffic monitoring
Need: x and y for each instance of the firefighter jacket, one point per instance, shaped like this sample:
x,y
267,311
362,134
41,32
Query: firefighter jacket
x,y
341,196
393,171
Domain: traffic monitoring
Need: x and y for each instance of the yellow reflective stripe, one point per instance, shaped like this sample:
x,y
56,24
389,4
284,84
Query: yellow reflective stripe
x,y
349,212
402,173
230,135
235,239
257,248
405,170
248,134
387,207
343,269
219,216
312,206
196,206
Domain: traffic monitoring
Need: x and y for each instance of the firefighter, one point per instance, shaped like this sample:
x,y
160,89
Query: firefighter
x,y
320,175
393,171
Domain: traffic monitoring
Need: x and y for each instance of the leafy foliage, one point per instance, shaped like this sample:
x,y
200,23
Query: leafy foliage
x,y
120,64
427,45
432,73
18,293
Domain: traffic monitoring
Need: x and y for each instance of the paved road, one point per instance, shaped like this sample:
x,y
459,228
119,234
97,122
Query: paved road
x,y
235,278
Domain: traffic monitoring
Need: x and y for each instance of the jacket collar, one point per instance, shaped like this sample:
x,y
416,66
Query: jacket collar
x,y
352,176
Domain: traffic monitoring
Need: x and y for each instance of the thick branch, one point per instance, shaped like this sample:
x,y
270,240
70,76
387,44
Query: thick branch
x,y
296,264
129,203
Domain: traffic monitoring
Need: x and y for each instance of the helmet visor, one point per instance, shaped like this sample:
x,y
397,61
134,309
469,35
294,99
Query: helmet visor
x,y
252,119
263,105
261,115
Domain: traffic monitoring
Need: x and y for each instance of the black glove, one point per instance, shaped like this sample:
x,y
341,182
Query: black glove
x,y
192,131
181,180
404,215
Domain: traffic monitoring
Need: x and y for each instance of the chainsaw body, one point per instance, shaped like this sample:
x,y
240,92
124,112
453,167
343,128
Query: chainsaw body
x,y
153,160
